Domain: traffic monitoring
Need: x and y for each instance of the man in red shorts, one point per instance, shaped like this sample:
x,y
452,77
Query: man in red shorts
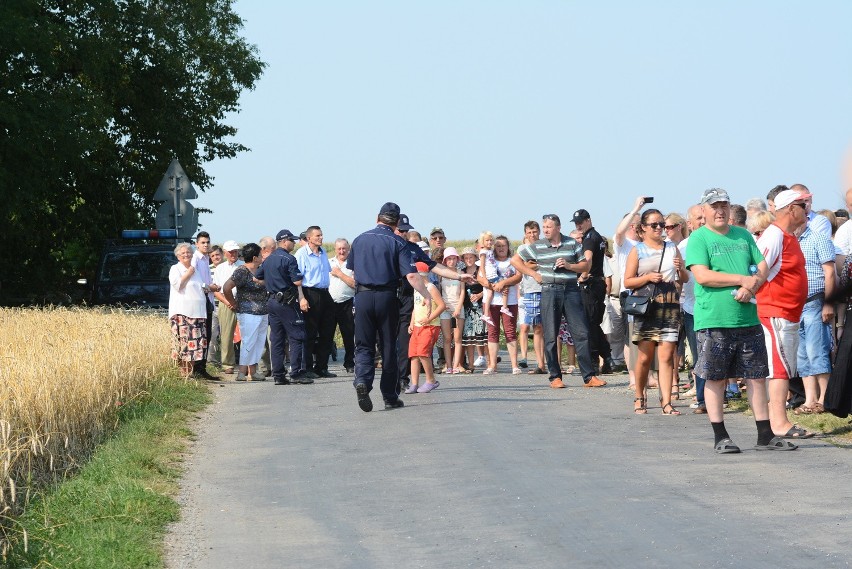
x,y
779,304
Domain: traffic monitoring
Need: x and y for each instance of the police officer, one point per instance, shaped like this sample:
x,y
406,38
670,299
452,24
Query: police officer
x,y
379,259
593,289
280,273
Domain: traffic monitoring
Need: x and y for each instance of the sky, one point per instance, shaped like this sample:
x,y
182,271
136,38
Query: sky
x,y
481,115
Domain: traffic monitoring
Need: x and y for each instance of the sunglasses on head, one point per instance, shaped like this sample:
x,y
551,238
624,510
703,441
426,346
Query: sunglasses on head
x,y
655,225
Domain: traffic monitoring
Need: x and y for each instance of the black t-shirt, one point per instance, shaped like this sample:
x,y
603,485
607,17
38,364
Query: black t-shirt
x,y
592,241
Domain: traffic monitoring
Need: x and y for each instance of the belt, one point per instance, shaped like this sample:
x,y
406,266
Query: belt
x,y
559,285
815,296
314,288
614,296
376,288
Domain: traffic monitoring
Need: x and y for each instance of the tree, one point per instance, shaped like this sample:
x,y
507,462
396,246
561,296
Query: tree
x,y
96,98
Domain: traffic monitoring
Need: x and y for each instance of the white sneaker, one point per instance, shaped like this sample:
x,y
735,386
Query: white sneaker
x,y
479,362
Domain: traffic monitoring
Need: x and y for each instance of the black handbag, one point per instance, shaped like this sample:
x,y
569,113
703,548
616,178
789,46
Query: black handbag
x,y
637,304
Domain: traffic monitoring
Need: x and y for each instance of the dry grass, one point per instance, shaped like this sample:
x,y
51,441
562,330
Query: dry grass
x,y
63,377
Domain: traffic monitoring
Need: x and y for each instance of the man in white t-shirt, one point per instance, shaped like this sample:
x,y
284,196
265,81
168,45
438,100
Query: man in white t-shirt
x,y
342,290
623,241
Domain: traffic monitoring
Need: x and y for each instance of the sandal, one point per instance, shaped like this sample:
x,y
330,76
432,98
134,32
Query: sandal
x,y
671,409
804,410
641,409
726,446
796,432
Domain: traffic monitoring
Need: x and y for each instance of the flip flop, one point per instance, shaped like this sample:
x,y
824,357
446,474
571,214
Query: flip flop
x,y
726,446
536,371
777,443
797,432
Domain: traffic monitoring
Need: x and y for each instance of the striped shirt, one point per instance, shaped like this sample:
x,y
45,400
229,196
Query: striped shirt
x,y
818,250
546,254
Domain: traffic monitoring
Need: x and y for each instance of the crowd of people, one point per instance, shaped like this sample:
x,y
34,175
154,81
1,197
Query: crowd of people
x,y
743,298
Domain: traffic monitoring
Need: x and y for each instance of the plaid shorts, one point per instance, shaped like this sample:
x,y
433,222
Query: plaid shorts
x,y
532,308
726,353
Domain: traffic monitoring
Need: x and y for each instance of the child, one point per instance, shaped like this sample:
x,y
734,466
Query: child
x,y
452,319
488,269
424,329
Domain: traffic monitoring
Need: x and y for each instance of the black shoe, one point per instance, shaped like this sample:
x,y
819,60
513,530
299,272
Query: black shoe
x,y
364,401
350,369
282,381
203,374
326,374
523,364
301,378
308,374
393,404
606,368
334,356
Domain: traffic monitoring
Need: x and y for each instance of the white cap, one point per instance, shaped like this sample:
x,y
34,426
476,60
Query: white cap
x,y
230,245
785,198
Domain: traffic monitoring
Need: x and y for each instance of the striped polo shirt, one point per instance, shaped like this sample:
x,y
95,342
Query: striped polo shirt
x,y
546,254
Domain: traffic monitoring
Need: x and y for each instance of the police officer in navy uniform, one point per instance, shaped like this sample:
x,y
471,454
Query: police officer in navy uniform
x,y
379,259
283,281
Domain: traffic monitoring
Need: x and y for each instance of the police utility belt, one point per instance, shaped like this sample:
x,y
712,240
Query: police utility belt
x,y
289,296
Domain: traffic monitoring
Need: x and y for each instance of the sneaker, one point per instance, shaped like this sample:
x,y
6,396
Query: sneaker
x,y
427,387
700,410
506,311
487,320
479,362
412,388
517,371
258,377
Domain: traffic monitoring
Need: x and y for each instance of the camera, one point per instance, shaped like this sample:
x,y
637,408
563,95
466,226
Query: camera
x,y
649,199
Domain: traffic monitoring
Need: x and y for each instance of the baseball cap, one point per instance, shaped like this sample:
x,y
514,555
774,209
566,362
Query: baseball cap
x,y
436,230
581,215
788,197
714,195
404,224
451,252
230,245
285,234
423,245
389,208
468,251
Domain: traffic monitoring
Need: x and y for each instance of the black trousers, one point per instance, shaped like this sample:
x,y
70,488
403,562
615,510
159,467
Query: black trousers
x,y
376,318
593,293
201,365
406,307
344,318
319,328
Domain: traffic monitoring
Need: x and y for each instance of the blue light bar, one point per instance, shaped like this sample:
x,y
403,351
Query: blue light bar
x,y
149,234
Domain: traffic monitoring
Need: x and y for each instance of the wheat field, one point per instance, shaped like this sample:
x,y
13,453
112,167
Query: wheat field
x,y
64,374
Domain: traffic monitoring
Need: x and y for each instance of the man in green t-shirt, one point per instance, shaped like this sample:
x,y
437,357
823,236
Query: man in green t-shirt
x,y
728,269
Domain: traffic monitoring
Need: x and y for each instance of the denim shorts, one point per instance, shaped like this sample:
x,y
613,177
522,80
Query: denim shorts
x,y
727,353
814,356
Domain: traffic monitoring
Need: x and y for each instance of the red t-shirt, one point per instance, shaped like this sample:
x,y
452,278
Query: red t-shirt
x,y
783,294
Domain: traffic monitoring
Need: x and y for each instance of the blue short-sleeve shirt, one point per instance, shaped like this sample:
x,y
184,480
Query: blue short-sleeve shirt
x,y
279,271
379,257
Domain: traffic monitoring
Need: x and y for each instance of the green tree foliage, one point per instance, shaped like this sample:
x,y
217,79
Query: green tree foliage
x,y
96,98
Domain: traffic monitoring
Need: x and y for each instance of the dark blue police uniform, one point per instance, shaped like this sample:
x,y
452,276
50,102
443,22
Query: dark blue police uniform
x,y
279,271
379,258
406,307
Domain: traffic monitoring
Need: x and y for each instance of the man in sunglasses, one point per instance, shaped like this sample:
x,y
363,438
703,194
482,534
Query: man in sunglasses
x,y
729,269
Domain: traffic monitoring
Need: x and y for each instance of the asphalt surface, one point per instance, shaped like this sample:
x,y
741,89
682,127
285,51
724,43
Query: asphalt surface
x,y
496,471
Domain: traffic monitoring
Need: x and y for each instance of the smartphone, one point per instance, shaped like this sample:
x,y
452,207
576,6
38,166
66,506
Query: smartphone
x,y
649,200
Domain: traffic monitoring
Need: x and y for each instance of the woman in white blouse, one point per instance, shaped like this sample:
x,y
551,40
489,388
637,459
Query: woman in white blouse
x,y
187,310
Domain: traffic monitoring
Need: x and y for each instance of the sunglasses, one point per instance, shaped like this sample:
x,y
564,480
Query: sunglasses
x,y
551,217
655,225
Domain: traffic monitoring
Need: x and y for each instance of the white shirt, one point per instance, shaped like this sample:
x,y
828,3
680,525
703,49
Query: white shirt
x,y
223,272
201,262
191,301
620,253
843,238
339,290
687,293
504,268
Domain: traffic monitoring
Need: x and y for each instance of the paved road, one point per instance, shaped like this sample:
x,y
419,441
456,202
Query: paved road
x,y
496,471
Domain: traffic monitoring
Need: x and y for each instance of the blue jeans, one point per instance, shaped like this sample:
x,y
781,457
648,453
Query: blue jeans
x,y
814,356
558,301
